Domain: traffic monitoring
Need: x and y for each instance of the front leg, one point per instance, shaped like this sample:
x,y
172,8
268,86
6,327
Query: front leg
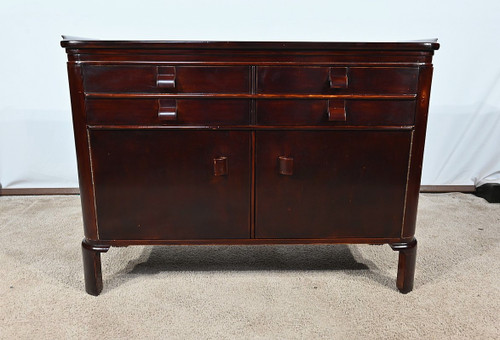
x,y
406,264
92,267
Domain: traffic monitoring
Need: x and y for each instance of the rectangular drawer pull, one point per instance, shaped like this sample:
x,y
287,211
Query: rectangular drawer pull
x,y
285,165
338,78
220,166
165,77
336,110
167,109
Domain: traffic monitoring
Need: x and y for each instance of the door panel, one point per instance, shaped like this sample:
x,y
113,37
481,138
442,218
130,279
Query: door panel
x,y
328,184
171,184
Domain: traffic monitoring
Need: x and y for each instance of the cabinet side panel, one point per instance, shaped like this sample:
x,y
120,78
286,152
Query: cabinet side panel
x,y
82,150
417,152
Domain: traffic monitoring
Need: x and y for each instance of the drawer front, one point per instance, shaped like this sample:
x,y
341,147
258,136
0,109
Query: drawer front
x,y
336,112
167,112
171,79
337,80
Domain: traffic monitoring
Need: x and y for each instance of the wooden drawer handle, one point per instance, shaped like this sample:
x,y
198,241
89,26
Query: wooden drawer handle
x,y
165,77
338,78
220,166
285,165
167,109
336,110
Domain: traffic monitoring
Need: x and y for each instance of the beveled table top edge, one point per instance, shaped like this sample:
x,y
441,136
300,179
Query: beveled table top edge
x,y
81,43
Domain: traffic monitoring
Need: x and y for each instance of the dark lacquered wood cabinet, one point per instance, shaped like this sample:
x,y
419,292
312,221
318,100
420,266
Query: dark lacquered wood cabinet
x,y
249,143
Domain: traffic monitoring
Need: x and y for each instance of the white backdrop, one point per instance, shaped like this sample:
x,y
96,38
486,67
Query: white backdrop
x,y
36,141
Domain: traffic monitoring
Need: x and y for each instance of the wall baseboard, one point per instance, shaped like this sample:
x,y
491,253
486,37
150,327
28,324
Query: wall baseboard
x,y
76,191
447,188
39,191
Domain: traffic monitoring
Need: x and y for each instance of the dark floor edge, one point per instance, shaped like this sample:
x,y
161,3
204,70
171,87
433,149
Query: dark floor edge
x,y
76,191
489,191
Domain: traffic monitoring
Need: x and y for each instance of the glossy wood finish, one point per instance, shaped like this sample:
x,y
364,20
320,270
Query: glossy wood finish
x,y
187,111
220,166
338,77
176,79
167,111
334,175
318,80
237,112
406,264
165,77
82,151
417,152
92,267
168,45
249,143
250,241
161,184
285,165
349,112
336,111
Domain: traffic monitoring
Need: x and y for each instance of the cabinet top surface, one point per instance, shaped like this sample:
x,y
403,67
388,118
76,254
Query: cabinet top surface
x,y
80,43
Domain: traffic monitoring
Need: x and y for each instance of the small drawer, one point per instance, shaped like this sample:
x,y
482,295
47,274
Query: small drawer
x,y
167,112
337,80
171,79
336,112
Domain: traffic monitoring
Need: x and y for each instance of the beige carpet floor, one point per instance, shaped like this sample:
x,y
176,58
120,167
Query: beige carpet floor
x,y
250,292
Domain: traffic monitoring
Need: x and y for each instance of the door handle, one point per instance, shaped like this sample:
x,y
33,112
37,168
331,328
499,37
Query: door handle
x,y
336,110
220,166
165,77
167,109
338,78
285,165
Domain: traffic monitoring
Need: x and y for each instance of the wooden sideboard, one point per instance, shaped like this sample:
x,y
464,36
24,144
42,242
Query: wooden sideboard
x,y
249,143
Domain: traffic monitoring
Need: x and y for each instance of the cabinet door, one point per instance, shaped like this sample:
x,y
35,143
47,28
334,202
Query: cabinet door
x,y
330,184
171,184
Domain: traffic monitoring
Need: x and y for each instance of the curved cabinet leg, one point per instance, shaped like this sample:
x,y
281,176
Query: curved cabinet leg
x,y
92,267
406,264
